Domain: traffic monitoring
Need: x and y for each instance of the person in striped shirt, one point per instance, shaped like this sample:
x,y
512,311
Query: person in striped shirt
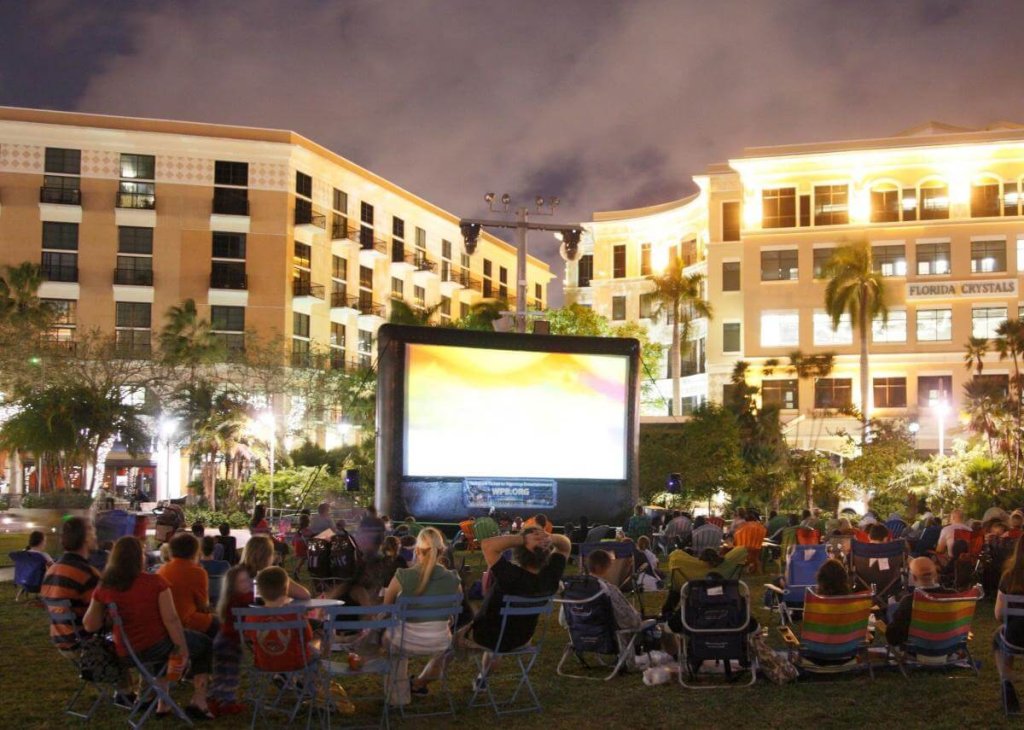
x,y
72,578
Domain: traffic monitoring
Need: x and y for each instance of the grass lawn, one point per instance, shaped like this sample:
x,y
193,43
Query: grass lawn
x,y
10,542
36,681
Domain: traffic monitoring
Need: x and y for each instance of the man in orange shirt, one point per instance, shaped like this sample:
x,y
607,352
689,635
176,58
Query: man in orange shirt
x,y
189,585
540,521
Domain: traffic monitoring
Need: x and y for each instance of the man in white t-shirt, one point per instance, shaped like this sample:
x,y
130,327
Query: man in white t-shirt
x,y
956,522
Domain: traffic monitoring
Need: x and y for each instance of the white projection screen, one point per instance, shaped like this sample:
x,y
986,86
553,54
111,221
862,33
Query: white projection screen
x,y
480,412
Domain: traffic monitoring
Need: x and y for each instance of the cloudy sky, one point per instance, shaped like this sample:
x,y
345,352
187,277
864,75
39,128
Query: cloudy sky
x,y
605,104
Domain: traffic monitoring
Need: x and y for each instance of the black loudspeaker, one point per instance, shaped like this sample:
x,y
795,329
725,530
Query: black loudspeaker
x,y
675,483
352,480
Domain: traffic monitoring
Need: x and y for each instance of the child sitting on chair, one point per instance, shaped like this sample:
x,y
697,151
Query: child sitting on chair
x,y
627,618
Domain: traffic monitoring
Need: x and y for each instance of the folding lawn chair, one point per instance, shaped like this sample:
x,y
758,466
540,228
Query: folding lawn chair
x,y
716,619
588,617
524,657
834,635
807,536
353,620
485,527
283,626
62,614
621,573
29,570
469,535
966,562
839,547
802,565
1013,611
896,528
879,567
940,629
429,608
751,536
150,675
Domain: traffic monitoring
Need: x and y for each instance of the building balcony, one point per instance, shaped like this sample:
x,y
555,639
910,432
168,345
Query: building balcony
x,y
135,201
133,277
57,344
340,230
60,196
303,289
371,249
53,272
424,270
310,221
370,313
401,261
344,302
228,279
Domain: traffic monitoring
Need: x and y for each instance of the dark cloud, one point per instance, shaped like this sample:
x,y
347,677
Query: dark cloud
x,y
605,104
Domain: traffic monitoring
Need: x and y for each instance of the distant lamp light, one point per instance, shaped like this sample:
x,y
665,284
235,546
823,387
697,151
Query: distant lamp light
x,y
506,199
168,427
675,483
489,198
554,202
539,200
470,235
913,427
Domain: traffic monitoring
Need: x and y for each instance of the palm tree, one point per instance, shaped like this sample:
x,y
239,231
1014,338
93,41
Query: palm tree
x,y
482,316
985,406
404,313
683,296
188,340
19,297
974,354
1009,344
856,289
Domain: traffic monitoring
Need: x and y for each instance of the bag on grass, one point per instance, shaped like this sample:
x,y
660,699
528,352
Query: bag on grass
x,y
775,667
98,662
346,559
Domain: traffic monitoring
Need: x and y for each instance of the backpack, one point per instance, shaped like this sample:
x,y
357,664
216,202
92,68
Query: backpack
x,y
346,559
318,558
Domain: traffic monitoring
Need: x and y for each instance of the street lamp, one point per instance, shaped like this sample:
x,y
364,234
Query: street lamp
x,y
270,423
570,237
941,408
168,427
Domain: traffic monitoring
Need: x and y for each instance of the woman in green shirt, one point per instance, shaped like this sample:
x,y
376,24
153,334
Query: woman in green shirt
x,y
417,636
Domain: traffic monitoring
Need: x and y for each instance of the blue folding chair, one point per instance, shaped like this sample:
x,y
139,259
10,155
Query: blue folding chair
x,y
880,567
302,683
150,676
802,566
1013,612
896,528
61,613
352,620
429,608
29,569
525,656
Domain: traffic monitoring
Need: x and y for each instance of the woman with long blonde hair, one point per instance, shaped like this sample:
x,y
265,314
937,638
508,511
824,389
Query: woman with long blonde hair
x,y
420,637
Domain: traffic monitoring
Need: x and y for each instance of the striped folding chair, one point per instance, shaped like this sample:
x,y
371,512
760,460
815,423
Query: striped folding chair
x,y
524,657
940,628
834,635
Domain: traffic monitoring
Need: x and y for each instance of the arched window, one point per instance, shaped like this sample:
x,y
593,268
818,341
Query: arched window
x,y
934,200
986,198
885,203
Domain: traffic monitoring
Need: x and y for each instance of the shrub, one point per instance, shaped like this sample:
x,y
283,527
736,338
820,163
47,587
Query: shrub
x,y
65,499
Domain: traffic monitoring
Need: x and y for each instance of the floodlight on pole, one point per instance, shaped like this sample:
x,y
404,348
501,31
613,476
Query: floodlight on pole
x,y
941,408
167,427
269,422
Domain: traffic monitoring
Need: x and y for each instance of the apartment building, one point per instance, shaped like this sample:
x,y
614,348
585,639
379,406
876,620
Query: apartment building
x,y
268,232
939,205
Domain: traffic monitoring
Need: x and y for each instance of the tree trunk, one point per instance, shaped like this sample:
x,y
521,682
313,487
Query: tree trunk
x,y
864,381
808,476
210,482
673,361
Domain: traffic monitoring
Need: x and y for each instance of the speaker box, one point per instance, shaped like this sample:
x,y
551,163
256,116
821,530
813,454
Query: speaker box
x,y
352,480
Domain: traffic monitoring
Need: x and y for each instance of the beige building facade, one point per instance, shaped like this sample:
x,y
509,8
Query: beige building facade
x,y
939,205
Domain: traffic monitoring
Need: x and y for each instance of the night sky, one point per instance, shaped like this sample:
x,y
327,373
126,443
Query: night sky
x,y
605,104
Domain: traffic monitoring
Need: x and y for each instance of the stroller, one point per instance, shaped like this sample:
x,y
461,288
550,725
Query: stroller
x,y
715,621
170,519
802,565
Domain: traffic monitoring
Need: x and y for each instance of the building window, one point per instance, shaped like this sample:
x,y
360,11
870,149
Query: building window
x,y
648,305
618,308
890,392
365,348
986,200
894,329
821,258
645,259
1020,253
988,256
782,393
228,245
932,259
421,241
730,276
825,335
132,327
934,201
731,221
934,325
63,161
65,317
779,265
300,325
339,202
833,393
885,204
136,188
61,184
731,341
805,211
780,329
1011,199
934,389
908,204
397,288
303,184
337,345
538,296
365,277
446,260
228,325
502,282
619,261
986,320
778,208
446,309
419,293
890,260
134,256
303,255
235,174
585,270
463,310
831,205
60,251
366,214
339,281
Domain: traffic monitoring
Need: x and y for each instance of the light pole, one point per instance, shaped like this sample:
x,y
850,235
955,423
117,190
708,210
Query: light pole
x,y
941,407
470,228
168,427
268,420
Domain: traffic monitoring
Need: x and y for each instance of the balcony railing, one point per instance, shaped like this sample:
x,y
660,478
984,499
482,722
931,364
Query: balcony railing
x,y
230,201
340,230
367,242
463,277
61,196
302,359
133,350
340,299
303,288
422,263
370,308
138,201
53,272
134,277
306,217
228,279
58,345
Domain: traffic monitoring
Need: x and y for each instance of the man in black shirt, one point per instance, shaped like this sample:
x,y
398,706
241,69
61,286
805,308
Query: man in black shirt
x,y
539,562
